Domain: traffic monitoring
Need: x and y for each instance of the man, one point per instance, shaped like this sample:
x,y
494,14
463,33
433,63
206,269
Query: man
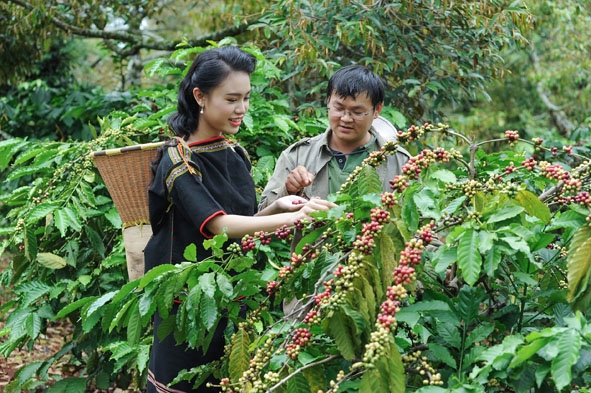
x,y
318,166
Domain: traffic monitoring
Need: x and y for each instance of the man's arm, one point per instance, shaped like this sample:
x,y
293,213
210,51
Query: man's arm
x,y
275,188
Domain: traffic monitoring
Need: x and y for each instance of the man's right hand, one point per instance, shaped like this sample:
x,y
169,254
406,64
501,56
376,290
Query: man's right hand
x,y
298,179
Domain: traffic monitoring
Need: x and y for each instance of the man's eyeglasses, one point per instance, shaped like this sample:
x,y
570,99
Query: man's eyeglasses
x,y
340,112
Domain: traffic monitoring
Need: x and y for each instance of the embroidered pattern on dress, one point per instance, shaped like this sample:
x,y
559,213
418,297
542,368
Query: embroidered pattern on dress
x,y
177,170
212,147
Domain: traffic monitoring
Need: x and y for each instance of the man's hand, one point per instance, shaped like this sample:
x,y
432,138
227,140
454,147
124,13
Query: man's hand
x,y
298,179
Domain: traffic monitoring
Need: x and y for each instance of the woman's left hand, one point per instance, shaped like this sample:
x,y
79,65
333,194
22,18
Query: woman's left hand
x,y
290,203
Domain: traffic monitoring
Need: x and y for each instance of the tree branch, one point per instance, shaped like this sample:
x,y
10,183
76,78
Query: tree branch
x,y
141,42
559,118
299,370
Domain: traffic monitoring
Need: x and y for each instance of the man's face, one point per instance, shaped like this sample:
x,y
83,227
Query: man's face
x,y
350,120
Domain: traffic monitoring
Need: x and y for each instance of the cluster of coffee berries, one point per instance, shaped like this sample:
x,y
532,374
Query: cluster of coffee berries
x,y
399,183
412,133
572,185
313,317
512,136
413,249
389,199
563,252
511,189
273,287
248,243
380,216
553,171
583,198
415,363
386,321
285,272
224,385
283,232
264,237
386,318
323,298
425,233
257,363
510,168
234,248
529,163
271,377
365,242
300,339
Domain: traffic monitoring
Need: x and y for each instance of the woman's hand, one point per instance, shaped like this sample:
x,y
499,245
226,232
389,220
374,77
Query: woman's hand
x,y
290,203
313,205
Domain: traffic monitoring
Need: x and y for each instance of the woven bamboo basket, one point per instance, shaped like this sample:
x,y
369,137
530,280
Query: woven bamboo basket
x,y
127,175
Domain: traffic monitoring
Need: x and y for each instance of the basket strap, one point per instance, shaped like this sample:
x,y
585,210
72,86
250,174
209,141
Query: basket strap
x,y
185,151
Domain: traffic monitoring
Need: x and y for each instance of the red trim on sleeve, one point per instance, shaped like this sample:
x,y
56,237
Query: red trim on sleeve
x,y
204,230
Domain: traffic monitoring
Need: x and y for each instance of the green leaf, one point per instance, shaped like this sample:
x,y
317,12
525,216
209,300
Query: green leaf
x,y
316,378
388,374
51,261
411,314
533,206
224,284
30,243
579,268
297,384
479,333
8,148
445,176
32,292
134,325
239,360
338,326
504,214
66,218
69,385
527,351
450,334
33,325
469,301
469,259
208,311
569,343
442,353
207,284
425,202
74,306
492,260
40,211
154,273
190,253
454,205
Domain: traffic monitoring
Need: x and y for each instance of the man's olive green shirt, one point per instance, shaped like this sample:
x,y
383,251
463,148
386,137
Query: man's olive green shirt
x,y
315,155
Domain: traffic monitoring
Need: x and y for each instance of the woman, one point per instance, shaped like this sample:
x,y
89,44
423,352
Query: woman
x,y
202,185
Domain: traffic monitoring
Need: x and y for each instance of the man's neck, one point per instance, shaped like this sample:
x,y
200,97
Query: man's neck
x,y
344,147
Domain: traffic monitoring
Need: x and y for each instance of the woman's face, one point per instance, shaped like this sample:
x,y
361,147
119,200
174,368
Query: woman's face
x,y
225,106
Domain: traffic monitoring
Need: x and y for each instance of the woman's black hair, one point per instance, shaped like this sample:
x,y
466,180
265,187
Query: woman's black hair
x,y
353,80
208,71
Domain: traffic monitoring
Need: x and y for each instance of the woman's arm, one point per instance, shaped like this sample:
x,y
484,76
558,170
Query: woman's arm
x,y
238,226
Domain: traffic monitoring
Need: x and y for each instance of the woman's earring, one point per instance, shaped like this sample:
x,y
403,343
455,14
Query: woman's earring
x,y
201,111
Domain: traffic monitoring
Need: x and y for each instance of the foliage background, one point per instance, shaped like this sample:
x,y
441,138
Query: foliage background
x,y
483,67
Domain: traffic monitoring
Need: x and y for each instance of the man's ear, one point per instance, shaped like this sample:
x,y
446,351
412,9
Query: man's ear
x,y
378,110
199,96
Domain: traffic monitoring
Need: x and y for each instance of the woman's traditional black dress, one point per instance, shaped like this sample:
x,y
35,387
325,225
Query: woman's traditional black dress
x,y
183,198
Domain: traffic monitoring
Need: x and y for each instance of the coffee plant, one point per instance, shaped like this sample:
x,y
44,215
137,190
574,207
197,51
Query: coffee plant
x,y
471,275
